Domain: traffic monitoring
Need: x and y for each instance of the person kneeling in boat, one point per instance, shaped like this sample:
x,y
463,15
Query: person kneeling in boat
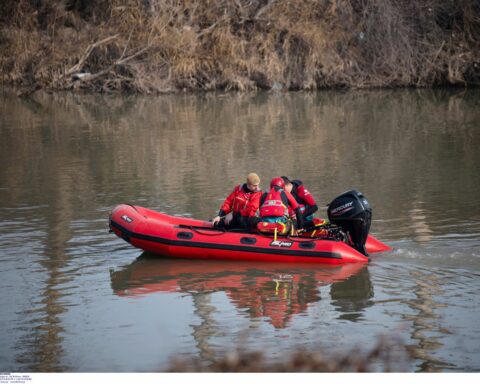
x,y
305,200
240,207
274,208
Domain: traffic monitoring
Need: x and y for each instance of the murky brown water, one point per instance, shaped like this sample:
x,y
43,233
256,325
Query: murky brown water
x,y
76,298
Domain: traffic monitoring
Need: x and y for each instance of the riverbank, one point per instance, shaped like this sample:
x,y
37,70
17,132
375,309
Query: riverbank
x,y
148,46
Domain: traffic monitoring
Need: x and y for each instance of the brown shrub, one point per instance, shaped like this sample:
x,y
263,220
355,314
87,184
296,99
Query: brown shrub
x,y
386,356
157,46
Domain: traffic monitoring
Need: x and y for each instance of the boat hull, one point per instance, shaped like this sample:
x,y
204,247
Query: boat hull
x,y
180,237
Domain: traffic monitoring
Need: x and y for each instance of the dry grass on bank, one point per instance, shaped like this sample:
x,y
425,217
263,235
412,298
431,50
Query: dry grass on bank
x,y
151,46
386,356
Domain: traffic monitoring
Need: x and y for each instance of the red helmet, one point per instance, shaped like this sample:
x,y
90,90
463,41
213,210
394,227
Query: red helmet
x,y
277,182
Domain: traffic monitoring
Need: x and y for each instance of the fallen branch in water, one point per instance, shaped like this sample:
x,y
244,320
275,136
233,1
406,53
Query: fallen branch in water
x,y
78,67
75,76
122,60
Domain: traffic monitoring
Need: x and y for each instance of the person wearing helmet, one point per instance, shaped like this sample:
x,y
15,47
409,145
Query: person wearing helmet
x,y
240,207
275,206
303,197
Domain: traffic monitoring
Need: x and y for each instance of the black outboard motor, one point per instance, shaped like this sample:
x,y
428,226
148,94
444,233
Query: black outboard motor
x,y
353,214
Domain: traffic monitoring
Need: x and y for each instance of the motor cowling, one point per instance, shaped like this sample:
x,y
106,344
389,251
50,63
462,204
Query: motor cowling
x,y
352,212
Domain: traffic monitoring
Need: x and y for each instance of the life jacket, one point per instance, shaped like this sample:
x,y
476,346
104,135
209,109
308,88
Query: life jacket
x,y
273,205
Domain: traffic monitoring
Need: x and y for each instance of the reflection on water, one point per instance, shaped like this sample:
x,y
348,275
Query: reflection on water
x,y
68,159
269,291
422,231
274,291
426,322
206,329
353,296
182,153
42,342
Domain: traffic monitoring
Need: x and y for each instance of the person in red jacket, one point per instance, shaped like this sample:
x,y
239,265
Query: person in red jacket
x,y
275,207
303,197
240,207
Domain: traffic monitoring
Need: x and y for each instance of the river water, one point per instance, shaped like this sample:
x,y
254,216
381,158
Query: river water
x,y
74,298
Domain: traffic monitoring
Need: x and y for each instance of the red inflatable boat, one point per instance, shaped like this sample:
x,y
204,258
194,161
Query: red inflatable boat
x,y
181,237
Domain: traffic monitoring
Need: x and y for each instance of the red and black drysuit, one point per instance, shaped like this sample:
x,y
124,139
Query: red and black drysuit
x,y
305,199
243,204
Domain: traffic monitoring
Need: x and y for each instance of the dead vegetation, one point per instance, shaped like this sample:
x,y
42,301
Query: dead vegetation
x,y
152,46
386,356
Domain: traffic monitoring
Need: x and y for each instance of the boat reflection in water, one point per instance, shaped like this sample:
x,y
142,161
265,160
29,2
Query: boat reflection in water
x,y
273,291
